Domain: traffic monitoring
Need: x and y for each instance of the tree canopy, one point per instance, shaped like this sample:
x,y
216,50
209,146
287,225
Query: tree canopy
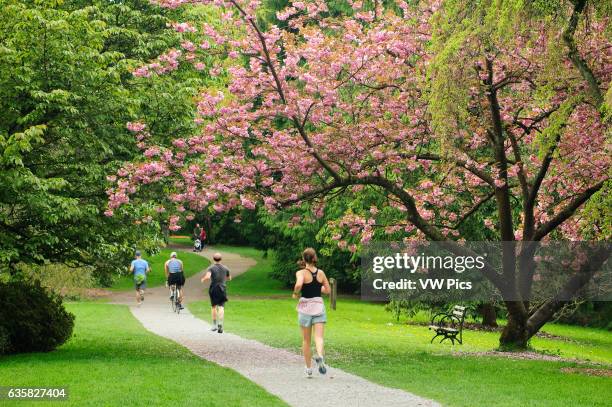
x,y
66,94
438,107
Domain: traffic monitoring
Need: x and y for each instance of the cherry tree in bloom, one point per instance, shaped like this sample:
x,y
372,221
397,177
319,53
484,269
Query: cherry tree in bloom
x,y
389,101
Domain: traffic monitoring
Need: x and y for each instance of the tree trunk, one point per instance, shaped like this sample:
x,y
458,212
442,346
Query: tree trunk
x,y
489,316
209,232
515,334
165,231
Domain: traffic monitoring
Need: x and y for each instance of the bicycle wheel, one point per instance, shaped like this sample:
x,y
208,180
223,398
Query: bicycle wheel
x,y
173,300
177,305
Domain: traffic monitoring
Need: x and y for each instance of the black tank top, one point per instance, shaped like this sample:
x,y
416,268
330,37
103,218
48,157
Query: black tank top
x,y
312,289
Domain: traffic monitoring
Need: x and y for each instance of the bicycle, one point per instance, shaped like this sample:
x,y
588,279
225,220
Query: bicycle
x,y
174,299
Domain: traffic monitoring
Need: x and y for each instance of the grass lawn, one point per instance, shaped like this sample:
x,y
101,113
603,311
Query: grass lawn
x,y
257,281
181,240
365,339
193,263
112,360
254,283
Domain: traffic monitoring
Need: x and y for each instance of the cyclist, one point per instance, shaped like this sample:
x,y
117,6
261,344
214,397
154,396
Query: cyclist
x,y
139,268
174,276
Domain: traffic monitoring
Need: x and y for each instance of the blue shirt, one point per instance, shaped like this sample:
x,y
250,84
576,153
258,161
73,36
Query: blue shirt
x,y
175,266
140,266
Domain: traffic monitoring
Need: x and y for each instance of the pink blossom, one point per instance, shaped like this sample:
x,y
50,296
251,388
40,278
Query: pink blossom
x,y
143,72
135,127
188,46
500,183
357,87
183,27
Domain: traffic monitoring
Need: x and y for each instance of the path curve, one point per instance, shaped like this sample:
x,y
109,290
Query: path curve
x,y
278,371
194,290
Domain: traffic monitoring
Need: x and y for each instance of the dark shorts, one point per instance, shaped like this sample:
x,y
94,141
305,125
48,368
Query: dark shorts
x,y
176,278
140,286
218,295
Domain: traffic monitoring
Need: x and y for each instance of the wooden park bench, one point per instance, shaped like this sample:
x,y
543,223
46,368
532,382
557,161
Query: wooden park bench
x,y
449,325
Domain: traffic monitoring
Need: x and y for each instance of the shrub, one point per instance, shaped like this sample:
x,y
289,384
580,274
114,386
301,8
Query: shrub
x,y
68,282
32,319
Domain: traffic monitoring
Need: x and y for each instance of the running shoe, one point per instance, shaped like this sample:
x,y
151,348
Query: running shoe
x,y
308,373
220,330
214,328
320,364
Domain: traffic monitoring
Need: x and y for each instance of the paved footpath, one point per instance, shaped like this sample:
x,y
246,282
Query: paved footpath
x,y
278,371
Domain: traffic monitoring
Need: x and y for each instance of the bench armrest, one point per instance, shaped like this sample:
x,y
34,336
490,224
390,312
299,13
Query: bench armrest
x,y
444,319
440,318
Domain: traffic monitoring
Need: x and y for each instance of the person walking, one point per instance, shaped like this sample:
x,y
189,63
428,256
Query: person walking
x,y
175,276
202,238
197,243
140,268
196,231
218,274
310,283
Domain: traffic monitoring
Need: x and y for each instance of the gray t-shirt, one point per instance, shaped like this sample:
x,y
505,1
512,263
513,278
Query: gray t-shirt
x,y
218,274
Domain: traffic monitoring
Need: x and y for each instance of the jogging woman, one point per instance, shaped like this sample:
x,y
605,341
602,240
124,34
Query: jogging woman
x,y
310,283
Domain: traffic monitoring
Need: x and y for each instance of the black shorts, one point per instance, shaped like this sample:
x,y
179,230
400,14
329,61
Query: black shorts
x,y
176,278
218,295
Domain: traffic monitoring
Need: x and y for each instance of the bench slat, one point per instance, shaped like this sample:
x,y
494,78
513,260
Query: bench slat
x,y
442,328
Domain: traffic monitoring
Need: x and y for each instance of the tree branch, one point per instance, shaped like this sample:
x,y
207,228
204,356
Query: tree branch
x,y
521,173
502,194
571,288
474,209
281,93
461,163
577,60
567,212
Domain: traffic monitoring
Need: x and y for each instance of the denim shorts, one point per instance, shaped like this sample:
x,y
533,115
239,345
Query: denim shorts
x,y
307,320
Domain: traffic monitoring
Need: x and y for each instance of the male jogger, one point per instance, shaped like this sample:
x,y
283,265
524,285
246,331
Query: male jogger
x,y
217,274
